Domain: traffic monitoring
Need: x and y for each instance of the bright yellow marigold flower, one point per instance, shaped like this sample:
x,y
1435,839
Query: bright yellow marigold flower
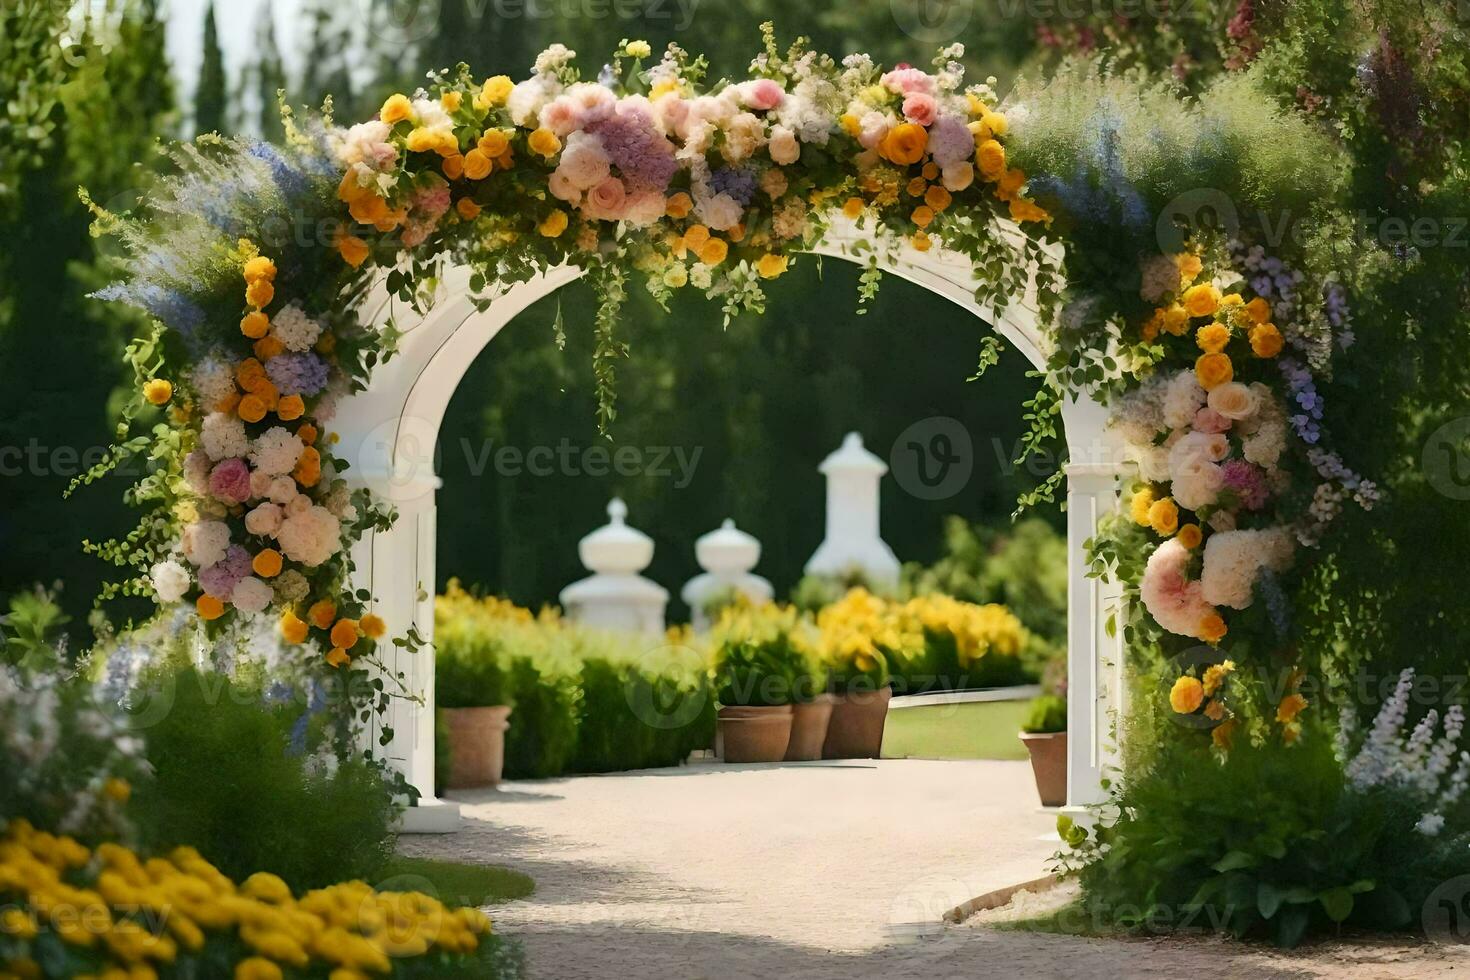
x,y
1202,300
396,109
1190,536
1213,370
921,241
259,268
209,607
991,157
451,101
1212,338
1186,695
678,205
922,216
544,142
904,144
1212,628
553,225
255,325
1163,516
372,626
1189,266
322,614
157,391
259,293
1215,675
853,208
266,563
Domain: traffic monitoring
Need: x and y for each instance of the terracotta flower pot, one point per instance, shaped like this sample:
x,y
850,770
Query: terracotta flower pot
x,y
856,729
1049,765
809,722
477,745
754,734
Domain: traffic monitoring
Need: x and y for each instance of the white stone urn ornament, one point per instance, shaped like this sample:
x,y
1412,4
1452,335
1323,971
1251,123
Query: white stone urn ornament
x,y
727,556
615,596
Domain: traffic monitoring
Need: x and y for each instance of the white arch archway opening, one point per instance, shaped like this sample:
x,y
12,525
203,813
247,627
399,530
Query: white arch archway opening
x,y
388,434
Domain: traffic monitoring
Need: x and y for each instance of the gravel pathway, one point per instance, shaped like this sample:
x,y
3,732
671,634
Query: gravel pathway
x,y
811,870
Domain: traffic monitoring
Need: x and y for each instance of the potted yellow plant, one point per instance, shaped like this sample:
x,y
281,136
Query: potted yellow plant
x,y
472,690
767,678
860,633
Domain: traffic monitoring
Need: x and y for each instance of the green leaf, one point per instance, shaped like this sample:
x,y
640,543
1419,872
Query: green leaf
x,y
1337,903
1234,861
1268,899
1292,926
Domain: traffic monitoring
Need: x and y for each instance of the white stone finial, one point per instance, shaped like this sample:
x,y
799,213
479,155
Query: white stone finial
x,y
615,596
727,556
852,542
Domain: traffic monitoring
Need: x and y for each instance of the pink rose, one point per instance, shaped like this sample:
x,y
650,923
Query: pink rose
x,y
560,116
920,107
644,208
605,201
672,110
583,160
1211,421
563,188
229,481
905,81
762,94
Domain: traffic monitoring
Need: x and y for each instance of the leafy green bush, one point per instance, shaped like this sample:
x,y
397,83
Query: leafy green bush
x,y
542,739
637,718
766,656
471,673
238,779
1047,715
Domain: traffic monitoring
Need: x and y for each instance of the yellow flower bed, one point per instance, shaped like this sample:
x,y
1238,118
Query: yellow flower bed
x,y
122,917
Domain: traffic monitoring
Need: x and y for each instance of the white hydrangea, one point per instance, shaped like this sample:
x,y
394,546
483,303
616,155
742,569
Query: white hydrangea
x,y
295,329
213,381
276,451
1233,560
527,98
251,595
205,542
223,436
1183,397
170,580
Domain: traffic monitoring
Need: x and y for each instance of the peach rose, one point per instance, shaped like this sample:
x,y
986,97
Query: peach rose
x,y
1233,400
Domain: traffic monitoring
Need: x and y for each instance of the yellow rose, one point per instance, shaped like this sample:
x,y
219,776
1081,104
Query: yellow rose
x,y
1138,507
1189,266
544,142
1163,516
1215,676
453,166
259,293
678,205
255,325
476,164
1202,300
322,613
354,250
1023,210
209,607
991,157
922,216
921,242
467,209
267,563
293,628
396,109
1266,340
713,252
422,140
771,265
451,101
996,122
496,90
1212,338
1213,370
853,208
260,267
372,626
1231,299
553,225
1212,628
695,236
1190,536
338,657
1176,320
1258,310
1186,696
493,143
904,144
344,633
158,391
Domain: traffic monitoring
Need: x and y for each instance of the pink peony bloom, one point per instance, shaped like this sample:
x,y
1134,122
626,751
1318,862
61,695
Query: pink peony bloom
x,y
905,80
920,107
605,201
229,481
583,161
762,94
561,116
1177,603
643,208
1210,421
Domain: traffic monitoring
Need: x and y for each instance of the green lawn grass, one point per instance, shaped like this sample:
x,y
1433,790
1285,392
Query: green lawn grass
x,y
973,730
456,884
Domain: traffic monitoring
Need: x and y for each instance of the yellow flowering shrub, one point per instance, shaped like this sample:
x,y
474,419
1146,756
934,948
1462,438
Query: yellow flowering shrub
x,y
72,911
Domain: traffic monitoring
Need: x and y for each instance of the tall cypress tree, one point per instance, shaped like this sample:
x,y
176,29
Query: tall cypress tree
x,y
265,77
211,96
324,69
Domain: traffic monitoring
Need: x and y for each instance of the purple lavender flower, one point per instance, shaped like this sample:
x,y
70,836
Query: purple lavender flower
x,y
297,374
1303,392
220,579
738,182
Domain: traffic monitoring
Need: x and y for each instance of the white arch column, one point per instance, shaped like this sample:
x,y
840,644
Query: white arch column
x,y
388,433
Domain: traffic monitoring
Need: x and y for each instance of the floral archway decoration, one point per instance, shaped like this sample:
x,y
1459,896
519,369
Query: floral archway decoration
x,y
252,259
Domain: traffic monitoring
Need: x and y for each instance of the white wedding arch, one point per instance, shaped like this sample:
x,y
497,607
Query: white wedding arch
x,y
388,434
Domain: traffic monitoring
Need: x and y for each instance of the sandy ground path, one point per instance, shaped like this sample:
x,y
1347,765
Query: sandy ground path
x,y
815,870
